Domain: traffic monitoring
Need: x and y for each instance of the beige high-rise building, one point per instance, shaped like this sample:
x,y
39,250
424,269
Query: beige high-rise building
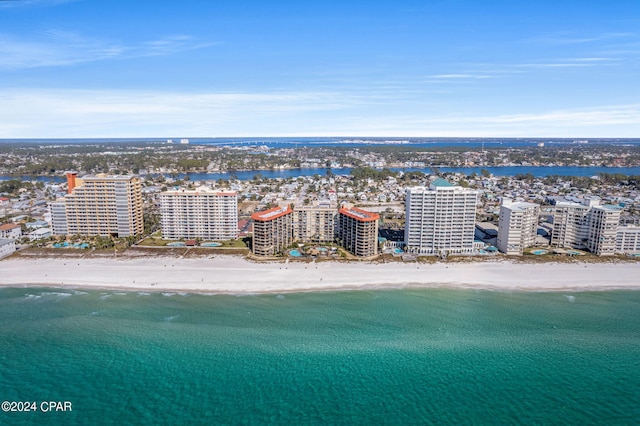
x,y
603,229
272,230
357,231
517,226
586,225
200,213
570,221
314,224
99,205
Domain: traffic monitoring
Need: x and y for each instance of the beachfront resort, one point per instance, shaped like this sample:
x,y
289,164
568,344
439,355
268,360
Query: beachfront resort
x,y
439,217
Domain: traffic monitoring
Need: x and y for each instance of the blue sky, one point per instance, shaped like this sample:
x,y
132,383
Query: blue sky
x,y
80,68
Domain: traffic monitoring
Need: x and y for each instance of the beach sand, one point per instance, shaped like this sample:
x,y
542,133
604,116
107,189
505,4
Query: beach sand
x,y
235,274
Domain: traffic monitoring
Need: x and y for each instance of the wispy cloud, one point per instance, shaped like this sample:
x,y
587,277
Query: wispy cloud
x,y
572,38
63,48
134,113
458,76
605,121
556,65
25,3
84,113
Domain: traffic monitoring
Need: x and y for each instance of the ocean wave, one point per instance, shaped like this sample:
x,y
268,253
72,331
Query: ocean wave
x,y
32,296
55,294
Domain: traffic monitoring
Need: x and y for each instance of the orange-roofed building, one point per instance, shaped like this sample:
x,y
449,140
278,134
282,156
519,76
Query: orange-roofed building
x,y
272,230
99,205
357,231
10,231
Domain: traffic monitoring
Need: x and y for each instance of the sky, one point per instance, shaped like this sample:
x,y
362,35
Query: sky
x,y
436,68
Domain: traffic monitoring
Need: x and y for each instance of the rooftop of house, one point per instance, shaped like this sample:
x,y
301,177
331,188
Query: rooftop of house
x,y
8,226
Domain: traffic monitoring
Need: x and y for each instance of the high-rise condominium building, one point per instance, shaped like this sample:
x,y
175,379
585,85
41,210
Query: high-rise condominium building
x,y
357,231
440,219
603,229
628,239
272,230
570,222
586,225
200,213
517,226
99,205
314,223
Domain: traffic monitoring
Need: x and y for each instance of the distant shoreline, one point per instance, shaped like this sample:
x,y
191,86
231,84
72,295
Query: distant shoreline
x,y
270,173
230,274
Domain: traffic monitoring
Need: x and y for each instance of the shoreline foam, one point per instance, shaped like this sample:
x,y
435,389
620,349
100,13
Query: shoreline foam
x,y
236,275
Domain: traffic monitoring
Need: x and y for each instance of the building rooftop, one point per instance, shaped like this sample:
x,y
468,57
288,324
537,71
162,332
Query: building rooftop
x,y
8,226
201,190
610,207
486,226
102,176
442,183
518,206
359,214
271,214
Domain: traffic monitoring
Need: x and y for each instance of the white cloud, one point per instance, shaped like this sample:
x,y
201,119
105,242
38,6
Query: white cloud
x,y
608,115
458,76
570,38
102,113
63,48
605,121
556,65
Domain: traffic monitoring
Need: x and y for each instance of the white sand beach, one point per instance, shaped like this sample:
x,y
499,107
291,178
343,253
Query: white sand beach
x,y
234,274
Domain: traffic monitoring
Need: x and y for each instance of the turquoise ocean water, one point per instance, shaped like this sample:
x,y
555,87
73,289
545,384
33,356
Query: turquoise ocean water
x,y
423,356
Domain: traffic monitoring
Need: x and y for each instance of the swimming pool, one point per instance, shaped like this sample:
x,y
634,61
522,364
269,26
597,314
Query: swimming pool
x,y
67,245
210,245
295,253
539,252
177,244
397,250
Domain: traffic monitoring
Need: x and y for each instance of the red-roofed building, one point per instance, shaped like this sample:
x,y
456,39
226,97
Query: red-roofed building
x,y
10,231
357,231
272,230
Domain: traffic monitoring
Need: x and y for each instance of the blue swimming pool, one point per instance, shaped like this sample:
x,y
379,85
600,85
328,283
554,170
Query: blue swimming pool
x,y
295,253
210,245
176,244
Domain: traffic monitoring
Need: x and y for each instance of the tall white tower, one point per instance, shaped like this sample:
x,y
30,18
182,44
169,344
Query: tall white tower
x,y
440,219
